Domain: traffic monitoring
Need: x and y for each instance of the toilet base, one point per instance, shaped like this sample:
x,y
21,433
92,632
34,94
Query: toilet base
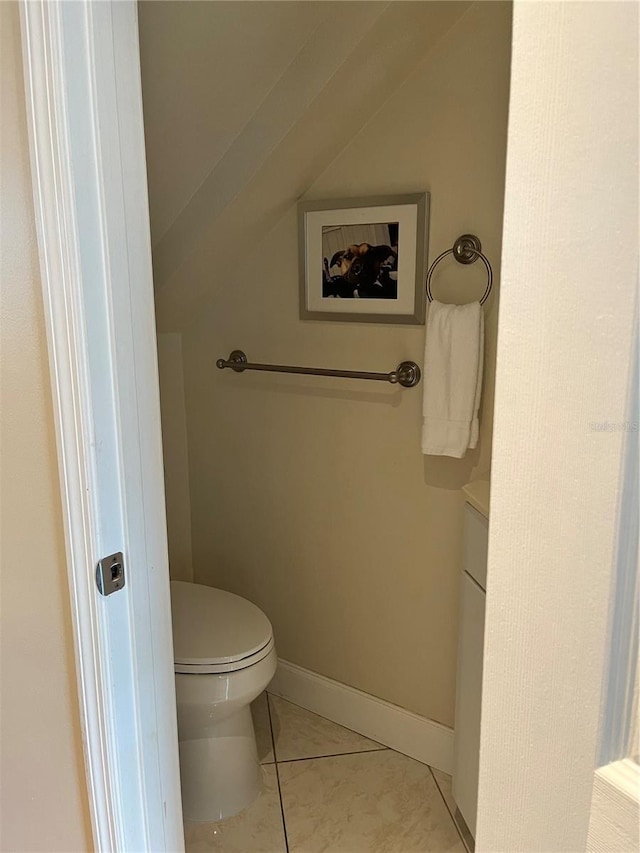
x,y
220,773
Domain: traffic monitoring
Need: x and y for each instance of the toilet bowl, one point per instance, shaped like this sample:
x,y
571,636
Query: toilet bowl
x,y
224,657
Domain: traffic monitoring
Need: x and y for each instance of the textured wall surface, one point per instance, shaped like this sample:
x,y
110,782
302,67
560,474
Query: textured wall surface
x,y
310,496
567,319
44,803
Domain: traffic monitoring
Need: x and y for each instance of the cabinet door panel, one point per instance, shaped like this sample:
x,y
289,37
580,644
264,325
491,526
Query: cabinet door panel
x,y
476,541
468,700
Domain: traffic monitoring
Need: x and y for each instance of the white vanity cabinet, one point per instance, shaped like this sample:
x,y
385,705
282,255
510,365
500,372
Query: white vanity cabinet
x,y
470,646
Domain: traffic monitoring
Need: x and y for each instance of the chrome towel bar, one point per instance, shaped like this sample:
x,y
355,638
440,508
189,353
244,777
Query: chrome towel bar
x,y
407,373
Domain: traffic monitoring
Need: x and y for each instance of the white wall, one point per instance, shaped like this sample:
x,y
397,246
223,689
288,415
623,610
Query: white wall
x,y
44,803
570,267
310,496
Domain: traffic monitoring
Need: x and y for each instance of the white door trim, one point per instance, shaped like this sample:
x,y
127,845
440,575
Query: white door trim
x,y
55,220
85,124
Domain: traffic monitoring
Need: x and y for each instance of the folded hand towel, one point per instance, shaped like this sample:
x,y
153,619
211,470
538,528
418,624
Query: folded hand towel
x,y
453,359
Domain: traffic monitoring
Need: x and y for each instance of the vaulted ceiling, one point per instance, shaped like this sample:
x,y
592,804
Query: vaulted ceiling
x,y
246,104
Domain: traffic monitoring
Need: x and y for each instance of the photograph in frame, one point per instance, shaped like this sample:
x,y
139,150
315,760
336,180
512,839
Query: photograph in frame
x,y
364,259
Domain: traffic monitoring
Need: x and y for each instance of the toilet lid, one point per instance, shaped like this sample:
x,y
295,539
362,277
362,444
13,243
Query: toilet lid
x,y
211,626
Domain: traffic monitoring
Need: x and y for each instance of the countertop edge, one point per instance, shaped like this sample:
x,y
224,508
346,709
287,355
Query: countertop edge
x,y
477,494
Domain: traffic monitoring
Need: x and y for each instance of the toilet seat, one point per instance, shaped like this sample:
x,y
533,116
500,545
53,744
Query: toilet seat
x,y
216,631
208,667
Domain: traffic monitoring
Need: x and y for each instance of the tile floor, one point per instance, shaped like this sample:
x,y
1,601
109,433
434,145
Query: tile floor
x,y
327,788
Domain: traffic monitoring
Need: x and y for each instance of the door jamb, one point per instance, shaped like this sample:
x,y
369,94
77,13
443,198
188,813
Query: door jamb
x,y
50,34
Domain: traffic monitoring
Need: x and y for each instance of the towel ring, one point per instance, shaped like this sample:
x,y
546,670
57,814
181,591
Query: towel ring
x,y
466,250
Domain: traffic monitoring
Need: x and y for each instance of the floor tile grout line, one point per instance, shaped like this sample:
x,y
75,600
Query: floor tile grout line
x,y
334,755
275,764
446,805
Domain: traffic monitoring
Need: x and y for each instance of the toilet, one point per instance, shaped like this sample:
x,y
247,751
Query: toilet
x,y
224,657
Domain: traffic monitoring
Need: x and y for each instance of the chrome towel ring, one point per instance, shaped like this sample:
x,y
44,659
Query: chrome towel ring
x,y
466,250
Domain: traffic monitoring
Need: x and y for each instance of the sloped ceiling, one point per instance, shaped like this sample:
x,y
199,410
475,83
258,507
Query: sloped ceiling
x,y
206,67
246,104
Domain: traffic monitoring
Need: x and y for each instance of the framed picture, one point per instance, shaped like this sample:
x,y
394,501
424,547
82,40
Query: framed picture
x,y
364,260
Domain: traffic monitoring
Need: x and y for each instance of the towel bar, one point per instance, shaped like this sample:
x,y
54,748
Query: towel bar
x,y
407,373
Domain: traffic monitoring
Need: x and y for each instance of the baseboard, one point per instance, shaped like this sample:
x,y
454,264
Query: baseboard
x,y
415,736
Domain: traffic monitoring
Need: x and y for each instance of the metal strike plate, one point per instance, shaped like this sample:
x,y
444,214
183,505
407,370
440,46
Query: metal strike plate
x,y
110,573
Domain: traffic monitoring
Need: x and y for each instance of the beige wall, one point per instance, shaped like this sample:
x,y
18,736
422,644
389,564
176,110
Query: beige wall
x,y
311,496
44,804
175,455
354,60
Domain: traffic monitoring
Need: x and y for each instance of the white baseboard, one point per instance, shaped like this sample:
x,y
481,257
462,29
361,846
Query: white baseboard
x,y
415,736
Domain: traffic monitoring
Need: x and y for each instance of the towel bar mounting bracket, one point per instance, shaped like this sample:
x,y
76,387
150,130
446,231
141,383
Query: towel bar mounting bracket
x,y
467,248
238,358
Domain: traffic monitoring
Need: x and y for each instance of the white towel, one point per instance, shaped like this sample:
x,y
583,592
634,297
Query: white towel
x,y
453,359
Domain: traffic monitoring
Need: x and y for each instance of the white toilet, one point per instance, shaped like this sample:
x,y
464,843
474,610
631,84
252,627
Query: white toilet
x,y
224,658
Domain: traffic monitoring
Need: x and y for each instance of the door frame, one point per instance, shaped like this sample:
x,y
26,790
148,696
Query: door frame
x,y
84,113
534,623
